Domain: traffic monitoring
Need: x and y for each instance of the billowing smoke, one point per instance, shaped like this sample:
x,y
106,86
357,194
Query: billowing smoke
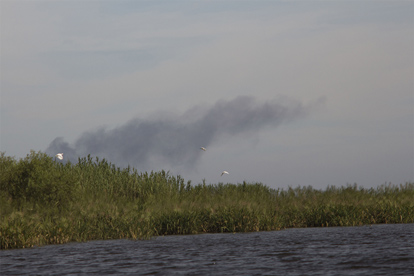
x,y
176,140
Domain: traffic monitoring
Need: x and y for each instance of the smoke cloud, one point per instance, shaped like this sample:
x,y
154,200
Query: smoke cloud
x,y
176,140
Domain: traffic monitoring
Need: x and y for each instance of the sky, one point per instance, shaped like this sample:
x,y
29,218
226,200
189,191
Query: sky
x,y
285,93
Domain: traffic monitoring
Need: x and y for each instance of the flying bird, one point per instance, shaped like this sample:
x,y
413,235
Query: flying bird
x,y
59,156
203,148
224,172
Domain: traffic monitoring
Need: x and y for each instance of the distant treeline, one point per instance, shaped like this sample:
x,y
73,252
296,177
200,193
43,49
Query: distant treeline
x,y
44,201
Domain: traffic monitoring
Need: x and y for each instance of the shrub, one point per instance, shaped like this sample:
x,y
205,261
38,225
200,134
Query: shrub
x,y
37,179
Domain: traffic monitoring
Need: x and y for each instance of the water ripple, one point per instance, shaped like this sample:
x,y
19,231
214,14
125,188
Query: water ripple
x,y
376,250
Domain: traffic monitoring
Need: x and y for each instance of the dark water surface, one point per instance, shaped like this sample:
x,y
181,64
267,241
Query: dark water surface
x,y
377,250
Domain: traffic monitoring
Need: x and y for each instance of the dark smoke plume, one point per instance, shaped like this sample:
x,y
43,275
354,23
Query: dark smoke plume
x,y
176,140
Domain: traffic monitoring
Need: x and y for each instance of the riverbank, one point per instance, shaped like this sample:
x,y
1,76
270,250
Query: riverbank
x,y
44,201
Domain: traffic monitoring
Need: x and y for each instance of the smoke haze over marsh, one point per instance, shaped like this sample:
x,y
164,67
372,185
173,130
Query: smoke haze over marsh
x,y
175,140
147,84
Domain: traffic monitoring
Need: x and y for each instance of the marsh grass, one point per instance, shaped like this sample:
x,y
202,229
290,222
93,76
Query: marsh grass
x,y
44,201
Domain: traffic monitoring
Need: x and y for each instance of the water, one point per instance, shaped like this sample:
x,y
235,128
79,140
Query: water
x,y
365,250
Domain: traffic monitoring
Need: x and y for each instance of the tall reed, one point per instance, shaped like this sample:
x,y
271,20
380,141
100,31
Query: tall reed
x,y
44,201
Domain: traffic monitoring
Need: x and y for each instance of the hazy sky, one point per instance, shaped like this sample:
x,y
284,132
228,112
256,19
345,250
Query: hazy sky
x,y
285,93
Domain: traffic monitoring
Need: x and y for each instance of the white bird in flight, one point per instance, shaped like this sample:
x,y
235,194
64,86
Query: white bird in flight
x,y
224,172
60,156
203,148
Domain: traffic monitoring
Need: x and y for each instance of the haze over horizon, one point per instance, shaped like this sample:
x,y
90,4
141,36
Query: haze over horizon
x,y
174,141
286,94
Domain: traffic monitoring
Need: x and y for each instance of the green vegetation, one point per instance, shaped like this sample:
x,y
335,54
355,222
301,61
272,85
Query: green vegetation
x,y
44,201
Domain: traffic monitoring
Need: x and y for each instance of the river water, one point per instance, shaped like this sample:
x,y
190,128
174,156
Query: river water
x,y
366,250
